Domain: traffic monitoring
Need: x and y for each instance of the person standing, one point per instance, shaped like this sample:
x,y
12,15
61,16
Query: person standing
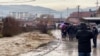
x,y
63,27
71,32
95,32
84,40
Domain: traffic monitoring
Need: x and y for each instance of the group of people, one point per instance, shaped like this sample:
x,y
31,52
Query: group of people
x,y
83,33
68,30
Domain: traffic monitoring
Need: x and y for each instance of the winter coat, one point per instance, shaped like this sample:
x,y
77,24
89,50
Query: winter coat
x,y
95,31
71,30
84,40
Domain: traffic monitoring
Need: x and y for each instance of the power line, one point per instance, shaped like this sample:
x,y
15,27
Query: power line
x,y
19,1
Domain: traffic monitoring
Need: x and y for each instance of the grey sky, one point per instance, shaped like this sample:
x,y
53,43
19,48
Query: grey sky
x,y
57,4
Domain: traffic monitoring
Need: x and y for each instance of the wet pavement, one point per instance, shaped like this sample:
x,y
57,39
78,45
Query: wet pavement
x,y
69,48
63,48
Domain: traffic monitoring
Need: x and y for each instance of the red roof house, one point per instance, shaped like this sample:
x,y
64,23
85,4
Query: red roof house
x,y
83,14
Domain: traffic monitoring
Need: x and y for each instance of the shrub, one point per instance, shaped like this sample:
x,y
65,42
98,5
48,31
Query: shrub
x,y
1,36
42,27
10,27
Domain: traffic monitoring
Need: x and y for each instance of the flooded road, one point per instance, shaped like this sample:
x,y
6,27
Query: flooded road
x,y
69,48
63,48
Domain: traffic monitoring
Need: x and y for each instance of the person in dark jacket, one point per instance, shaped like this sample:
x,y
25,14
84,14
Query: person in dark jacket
x,y
84,40
95,32
71,32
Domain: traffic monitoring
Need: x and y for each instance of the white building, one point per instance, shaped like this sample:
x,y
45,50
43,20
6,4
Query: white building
x,y
22,15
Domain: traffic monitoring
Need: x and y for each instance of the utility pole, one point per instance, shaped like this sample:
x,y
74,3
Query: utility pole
x,y
67,12
78,11
97,4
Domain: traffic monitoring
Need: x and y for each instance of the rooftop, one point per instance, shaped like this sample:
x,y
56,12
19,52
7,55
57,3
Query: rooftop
x,y
91,18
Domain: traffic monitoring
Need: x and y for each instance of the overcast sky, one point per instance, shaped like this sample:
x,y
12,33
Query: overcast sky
x,y
56,4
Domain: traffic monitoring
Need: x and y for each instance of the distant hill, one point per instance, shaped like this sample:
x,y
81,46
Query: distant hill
x,y
6,9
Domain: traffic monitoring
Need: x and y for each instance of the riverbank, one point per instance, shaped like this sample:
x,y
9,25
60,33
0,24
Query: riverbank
x,y
12,46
